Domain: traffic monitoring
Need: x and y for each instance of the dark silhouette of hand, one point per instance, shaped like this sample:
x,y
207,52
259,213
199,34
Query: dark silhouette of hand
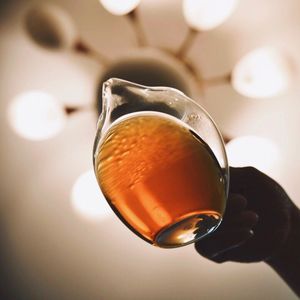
x,y
261,223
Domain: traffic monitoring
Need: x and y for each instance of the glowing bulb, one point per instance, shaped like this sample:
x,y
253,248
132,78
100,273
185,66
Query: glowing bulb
x,y
36,115
207,14
253,151
117,7
87,199
261,73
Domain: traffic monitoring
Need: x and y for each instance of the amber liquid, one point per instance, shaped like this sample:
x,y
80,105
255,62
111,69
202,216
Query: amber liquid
x,y
161,179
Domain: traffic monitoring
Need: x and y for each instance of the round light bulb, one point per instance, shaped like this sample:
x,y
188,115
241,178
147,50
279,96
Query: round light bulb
x,y
50,26
117,7
207,14
87,199
262,73
36,115
254,151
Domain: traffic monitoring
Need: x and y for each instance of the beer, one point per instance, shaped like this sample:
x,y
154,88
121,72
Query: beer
x,y
160,178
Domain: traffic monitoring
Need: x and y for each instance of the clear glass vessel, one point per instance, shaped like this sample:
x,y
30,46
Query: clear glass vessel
x,y
160,162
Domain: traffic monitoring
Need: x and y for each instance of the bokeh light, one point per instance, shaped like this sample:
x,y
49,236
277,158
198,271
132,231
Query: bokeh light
x,y
36,115
262,73
207,14
117,7
87,199
254,151
50,26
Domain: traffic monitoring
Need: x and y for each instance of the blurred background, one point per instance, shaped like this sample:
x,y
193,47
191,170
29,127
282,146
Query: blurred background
x,y
58,237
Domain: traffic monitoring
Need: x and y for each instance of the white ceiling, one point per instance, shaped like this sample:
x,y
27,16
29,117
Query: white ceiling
x,y
50,252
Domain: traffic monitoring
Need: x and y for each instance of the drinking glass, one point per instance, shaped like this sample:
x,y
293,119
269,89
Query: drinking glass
x,y
160,162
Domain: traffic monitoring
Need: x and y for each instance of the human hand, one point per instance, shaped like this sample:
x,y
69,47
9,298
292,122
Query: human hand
x,y
257,224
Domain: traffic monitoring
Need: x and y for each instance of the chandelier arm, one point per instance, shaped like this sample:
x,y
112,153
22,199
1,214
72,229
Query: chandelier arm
x,y
218,80
134,19
71,110
187,43
82,48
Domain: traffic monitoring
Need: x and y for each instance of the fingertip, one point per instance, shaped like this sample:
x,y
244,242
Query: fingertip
x,y
246,219
237,197
235,203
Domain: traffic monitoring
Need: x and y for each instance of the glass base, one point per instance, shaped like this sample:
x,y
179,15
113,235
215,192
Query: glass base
x,y
188,230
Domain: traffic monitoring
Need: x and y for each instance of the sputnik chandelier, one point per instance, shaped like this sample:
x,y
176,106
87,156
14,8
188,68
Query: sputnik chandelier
x,y
35,115
262,73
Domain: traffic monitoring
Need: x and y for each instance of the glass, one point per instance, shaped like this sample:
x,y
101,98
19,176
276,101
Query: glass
x,y
160,162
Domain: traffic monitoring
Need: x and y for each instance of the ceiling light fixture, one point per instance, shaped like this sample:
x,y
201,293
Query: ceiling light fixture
x,y
262,73
255,151
87,199
36,115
